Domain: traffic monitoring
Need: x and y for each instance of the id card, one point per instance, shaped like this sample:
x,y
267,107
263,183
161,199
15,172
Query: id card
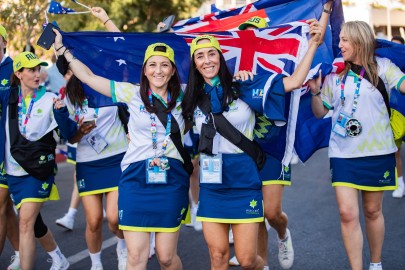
x,y
97,142
211,169
155,174
340,126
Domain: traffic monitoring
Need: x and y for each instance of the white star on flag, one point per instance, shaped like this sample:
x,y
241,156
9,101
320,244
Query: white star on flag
x,y
121,62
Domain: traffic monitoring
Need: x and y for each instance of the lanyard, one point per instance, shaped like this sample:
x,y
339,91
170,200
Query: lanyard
x,y
153,128
21,107
83,110
356,92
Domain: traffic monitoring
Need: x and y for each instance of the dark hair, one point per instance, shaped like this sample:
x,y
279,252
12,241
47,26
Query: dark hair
x,y
398,38
195,87
173,86
14,80
74,91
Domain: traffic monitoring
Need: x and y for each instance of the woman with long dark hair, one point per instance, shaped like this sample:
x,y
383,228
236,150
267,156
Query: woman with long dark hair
x,y
101,147
230,185
153,188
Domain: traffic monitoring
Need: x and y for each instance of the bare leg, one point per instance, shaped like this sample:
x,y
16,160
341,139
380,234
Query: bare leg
x,y
93,208
262,243
166,250
112,213
245,243
347,199
374,219
195,181
138,249
3,219
216,236
75,199
273,197
12,225
28,213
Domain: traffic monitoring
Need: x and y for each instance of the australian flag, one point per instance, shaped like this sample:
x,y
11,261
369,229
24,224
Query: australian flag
x,y
57,8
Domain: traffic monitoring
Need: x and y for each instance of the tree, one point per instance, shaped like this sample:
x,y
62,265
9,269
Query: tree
x,y
23,19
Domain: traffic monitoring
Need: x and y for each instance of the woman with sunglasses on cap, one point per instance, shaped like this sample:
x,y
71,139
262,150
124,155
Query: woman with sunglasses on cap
x,y
153,189
34,107
230,193
361,146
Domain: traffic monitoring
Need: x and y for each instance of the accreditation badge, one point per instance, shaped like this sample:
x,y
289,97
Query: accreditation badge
x,y
97,142
155,174
340,126
211,169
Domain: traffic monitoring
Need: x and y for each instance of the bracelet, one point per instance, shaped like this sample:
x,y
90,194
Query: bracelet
x,y
64,52
107,21
60,48
315,95
328,11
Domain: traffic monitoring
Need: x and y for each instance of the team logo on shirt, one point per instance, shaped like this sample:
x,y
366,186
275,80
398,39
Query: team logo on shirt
x,y
257,93
253,210
233,107
51,157
4,82
42,160
38,112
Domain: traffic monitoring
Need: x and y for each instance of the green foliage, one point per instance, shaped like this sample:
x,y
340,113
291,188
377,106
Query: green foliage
x,y
23,19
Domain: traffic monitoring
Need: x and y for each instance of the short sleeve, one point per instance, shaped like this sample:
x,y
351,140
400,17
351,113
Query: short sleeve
x,y
123,91
327,90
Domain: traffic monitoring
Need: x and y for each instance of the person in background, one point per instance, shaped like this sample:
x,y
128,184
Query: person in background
x,y
35,105
360,116
400,191
8,217
275,177
54,81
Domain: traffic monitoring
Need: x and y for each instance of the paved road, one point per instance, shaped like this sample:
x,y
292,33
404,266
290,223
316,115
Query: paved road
x,y
309,202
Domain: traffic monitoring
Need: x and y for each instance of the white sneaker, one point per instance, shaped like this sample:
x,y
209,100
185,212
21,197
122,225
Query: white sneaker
x,y
60,266
399,192
266,267
15,263
286,252
233,261
104,214
230,236
196,224
122,259
97,267
375,267
66,222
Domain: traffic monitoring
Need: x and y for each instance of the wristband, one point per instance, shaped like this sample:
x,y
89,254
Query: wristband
x,y
107,21
60,48
315,95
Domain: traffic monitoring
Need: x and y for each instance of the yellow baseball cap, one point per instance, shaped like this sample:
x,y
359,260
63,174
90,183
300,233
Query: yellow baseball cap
x,y
27,60
3,32
151,51
213,42
255,21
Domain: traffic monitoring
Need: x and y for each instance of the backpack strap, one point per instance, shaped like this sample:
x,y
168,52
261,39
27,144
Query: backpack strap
x,y
175,135
229,132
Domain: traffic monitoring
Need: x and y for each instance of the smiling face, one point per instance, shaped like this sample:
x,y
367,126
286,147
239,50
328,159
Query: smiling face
x,y
349,53
29,77
158,70
207,61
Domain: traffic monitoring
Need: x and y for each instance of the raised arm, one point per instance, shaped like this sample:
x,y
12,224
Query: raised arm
x,y
317,31
103,17
82,72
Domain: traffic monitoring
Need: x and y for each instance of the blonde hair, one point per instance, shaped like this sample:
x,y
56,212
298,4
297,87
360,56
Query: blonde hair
x,y
361,37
